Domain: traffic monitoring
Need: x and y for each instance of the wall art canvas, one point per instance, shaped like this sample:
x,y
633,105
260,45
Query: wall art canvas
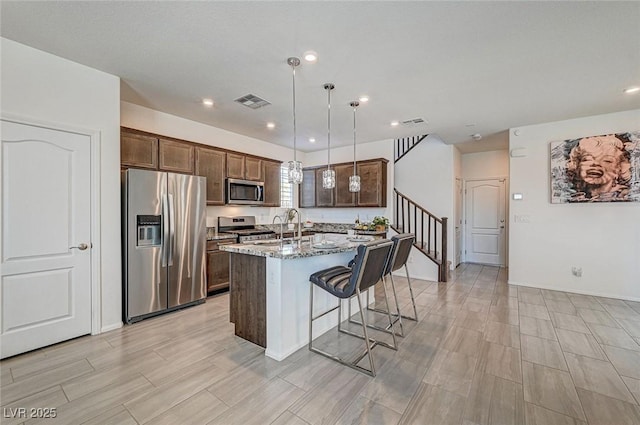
x,y
603,168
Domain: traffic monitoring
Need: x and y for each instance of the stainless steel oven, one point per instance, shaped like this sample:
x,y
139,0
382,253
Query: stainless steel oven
x,y
245,192
245,228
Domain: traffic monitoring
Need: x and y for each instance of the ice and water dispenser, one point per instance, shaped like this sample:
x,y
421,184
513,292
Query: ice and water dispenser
x,y
149,230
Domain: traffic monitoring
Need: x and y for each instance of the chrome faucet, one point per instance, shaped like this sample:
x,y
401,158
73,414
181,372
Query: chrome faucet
x,y
281,224
299,224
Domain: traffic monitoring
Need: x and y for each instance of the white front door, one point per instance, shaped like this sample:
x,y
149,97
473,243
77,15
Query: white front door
x,y
485,221
46,237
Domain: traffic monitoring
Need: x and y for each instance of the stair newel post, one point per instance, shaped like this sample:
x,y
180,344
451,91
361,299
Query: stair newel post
x,y
443,267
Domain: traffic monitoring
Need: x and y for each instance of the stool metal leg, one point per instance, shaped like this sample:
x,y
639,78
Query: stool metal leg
x,y
367,340
396,315
389,329
413,301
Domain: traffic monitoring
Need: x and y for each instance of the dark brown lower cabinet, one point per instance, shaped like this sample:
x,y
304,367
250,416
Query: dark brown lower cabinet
x,y
217,265
248,297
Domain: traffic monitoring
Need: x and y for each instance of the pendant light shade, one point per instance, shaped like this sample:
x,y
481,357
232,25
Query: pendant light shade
x,y
329,175
354,180
295,166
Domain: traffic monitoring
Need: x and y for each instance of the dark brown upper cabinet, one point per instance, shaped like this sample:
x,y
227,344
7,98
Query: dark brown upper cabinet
x,y
253,169
244,167
177,157
324,197
344,198
138,150
235,166
271,183
211,163
373,186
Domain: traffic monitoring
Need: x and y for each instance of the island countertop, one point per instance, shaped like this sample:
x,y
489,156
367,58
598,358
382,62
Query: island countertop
x,y
333,243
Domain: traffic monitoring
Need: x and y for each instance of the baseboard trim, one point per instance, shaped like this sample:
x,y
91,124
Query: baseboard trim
x,y
574,291
111,327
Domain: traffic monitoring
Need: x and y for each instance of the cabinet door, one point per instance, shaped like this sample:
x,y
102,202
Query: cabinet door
x,y
211,164
235,166
324,197
176,156
137,150
344,198
271,184
307,190
253,169
217,270
373,184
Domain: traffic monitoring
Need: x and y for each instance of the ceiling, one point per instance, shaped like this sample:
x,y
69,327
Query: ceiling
x,y
463,67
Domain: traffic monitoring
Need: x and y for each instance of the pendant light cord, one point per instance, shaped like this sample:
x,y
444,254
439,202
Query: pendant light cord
x,y
293,66
328,87
354,105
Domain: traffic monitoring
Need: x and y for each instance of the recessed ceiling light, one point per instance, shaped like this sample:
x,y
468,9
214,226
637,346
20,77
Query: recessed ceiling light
x,y
364,99
207,102
631,90
271,125
476,136
312,140
310,56
394,123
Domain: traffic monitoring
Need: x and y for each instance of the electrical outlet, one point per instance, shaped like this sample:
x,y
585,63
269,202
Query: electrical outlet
x,y
576,271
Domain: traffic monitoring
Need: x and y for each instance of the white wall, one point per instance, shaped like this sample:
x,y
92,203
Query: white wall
x,y
603,239
42,88
379,149
485,164
145,119
427,176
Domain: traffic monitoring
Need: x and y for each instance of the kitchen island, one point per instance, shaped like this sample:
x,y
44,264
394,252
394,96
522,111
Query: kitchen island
x,y
269,290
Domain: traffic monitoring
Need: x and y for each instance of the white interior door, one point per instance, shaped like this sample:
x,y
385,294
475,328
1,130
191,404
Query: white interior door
x,y
485,221
458,221
46,229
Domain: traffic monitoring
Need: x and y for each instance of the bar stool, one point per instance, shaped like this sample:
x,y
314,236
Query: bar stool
x,y
402,244
344,283
400,251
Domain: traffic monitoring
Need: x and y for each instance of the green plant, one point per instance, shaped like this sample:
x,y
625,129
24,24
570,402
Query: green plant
x,y
291,214
380,221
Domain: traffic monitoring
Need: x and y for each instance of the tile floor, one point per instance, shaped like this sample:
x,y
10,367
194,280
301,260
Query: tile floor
x,y
483,352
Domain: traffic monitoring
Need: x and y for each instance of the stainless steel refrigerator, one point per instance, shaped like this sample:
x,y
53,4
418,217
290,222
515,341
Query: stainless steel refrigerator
x,y
164,242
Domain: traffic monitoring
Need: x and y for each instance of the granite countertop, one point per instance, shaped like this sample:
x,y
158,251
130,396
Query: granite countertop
x,y
214,236
334,243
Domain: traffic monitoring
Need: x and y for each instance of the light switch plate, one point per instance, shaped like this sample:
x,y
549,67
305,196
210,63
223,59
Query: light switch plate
x,y
517,196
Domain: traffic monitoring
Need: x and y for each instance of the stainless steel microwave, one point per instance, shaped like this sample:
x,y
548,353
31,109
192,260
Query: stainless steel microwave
x,y
245,192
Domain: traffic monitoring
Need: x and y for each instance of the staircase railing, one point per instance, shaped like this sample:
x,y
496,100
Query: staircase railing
x,y
404,145
430,231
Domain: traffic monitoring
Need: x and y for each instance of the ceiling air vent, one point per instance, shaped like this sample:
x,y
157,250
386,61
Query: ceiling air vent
x,y
252,101
413,121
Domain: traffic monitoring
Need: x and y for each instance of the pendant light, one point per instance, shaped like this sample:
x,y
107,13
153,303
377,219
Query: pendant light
x,y
295,166
354,180
329,175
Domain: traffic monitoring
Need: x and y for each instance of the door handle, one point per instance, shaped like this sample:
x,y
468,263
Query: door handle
x,y
81,246
502,227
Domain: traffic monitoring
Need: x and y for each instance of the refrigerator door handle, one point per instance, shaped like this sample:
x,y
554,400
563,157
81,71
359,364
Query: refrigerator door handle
x,y
165,229
172,229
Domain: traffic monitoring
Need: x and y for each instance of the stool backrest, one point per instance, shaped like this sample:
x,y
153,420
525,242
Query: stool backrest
x,y
370,263
402,244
